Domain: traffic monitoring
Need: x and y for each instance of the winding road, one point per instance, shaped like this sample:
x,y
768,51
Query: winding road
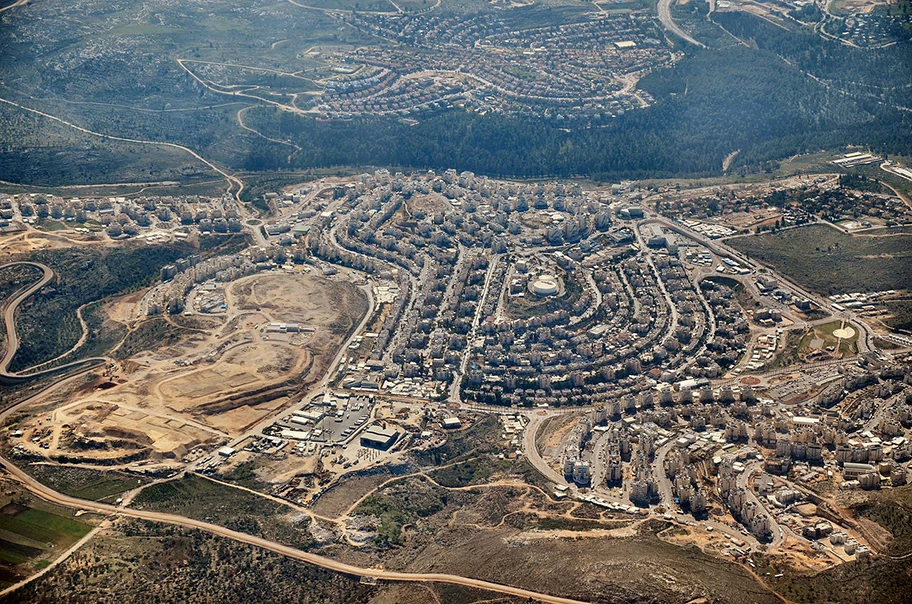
x,y
12,336
328,563
110,511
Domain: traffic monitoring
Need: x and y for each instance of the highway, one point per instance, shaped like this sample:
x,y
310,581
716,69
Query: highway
x,y
664,8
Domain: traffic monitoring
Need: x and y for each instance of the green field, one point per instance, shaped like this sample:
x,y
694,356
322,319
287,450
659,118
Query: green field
x,y
821,338
829,261
27,534
197,497
40,525
84,483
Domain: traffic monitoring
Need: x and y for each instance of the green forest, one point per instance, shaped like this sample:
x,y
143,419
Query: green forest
x,y
765,90
754,98
47,322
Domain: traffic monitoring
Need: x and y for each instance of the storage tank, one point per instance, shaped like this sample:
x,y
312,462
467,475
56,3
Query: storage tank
x,y
546,285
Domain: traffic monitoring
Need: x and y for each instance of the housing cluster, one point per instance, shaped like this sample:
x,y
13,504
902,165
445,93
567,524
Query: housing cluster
x,y
526,294
586,70
156,219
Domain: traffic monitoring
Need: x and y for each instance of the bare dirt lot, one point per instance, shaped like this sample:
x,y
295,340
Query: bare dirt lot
x,y
501,533
210,385
32,241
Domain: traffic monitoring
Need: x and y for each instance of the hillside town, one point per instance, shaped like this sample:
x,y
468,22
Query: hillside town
x,y
615,323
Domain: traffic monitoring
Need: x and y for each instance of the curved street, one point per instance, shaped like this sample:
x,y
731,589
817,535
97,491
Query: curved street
x,y
58,498
532,453
743,480
664,9
12,337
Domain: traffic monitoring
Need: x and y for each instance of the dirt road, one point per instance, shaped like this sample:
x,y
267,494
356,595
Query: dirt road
x,y
53,496
321,561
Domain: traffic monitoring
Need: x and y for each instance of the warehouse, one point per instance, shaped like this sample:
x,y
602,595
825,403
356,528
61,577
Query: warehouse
x,y
377,437
451,423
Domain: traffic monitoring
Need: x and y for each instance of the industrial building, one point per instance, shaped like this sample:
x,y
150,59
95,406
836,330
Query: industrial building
x,y
377,437
451,423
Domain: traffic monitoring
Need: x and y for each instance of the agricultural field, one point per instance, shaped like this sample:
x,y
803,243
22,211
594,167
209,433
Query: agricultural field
x,y
31,535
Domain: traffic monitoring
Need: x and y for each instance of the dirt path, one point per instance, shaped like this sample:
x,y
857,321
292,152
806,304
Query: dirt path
x,y
314,559
232,181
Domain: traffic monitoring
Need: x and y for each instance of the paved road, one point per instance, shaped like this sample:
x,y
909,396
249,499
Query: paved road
x,y
532,453
742,482
720,248
53,496
666,492
12,337
665,17
454,395
669,303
